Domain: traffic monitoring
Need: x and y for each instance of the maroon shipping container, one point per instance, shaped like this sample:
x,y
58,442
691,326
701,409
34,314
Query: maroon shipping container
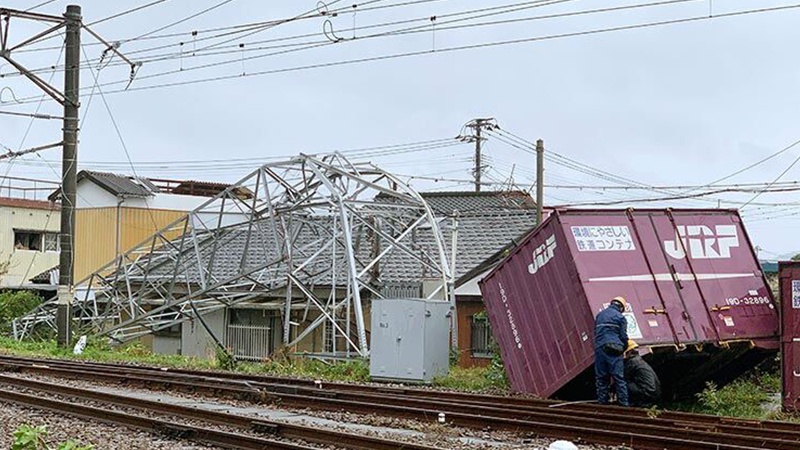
x,y
789,273
698,302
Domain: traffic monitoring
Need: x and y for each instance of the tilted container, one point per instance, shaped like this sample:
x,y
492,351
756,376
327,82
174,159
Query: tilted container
x,y
698,303
789,276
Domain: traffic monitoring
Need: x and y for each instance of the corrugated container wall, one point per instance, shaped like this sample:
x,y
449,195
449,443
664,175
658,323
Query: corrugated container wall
x,y
696,294
789,274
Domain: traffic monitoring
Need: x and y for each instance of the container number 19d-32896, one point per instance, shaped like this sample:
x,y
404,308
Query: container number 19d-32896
x,y
749,300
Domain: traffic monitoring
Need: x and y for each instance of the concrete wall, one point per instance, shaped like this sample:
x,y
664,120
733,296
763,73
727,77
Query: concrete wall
x,y
24,264
166,345
195,341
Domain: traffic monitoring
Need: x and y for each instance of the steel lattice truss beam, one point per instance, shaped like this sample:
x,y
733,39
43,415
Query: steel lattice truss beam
x,y
278,235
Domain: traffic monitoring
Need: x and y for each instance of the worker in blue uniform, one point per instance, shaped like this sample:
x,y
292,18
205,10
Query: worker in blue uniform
x,y
610,341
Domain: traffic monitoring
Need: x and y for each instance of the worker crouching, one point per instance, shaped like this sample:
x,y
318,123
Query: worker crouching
x,y
644,387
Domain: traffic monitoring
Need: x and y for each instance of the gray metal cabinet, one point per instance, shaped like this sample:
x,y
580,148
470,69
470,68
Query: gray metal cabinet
x,y
410,339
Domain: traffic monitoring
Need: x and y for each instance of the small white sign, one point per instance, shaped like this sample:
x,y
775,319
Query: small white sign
x,y
796,294
603,239
728,321
652,323
634,332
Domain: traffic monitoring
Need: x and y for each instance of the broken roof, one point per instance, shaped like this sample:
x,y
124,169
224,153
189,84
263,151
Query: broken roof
x,y
121,185
115,184
491,222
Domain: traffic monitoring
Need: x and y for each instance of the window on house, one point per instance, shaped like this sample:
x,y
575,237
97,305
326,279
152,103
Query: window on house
x,y
51,242
481,339
37,241
27,240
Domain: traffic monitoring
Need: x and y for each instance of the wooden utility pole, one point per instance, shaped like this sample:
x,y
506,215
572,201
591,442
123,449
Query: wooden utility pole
x,y
539,180
69,162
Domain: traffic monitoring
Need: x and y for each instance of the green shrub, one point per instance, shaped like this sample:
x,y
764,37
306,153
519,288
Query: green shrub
x,y
745,397
14,304
497,370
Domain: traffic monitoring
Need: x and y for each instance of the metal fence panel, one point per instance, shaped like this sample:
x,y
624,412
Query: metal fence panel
x,y
248,342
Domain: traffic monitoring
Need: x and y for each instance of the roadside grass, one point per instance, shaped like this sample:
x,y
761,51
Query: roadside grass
x,y
479,379
750,396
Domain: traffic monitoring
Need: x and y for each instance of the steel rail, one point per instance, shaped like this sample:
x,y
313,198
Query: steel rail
x,y
604,427
286,431
516,404
151,425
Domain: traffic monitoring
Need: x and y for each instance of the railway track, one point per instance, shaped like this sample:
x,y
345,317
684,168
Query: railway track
x,y
586,423
202,434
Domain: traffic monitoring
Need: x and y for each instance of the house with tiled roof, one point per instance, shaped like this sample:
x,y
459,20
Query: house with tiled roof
x,y
115,212
480,224
488,223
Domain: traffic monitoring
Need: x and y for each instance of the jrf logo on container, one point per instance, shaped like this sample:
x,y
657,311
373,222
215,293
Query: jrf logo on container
x,y
543,254
510,316
702,242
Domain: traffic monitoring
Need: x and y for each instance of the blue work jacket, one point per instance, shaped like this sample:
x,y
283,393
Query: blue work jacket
x,y
610,327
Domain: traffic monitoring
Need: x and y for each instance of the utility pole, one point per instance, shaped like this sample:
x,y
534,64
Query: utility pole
x,y
69,162
478,125
478,166
70,100
539,180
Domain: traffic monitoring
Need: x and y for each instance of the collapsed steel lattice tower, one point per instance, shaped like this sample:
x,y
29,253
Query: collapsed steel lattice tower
x,y
282,234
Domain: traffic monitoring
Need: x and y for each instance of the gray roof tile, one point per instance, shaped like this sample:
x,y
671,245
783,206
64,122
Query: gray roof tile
x,y
486,228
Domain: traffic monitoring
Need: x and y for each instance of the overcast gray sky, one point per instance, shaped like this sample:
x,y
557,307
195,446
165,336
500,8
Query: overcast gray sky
x,y
680,104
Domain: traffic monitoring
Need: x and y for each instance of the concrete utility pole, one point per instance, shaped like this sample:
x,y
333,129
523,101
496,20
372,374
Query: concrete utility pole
x,y
69,162
478,166
477,125
70,100
539,180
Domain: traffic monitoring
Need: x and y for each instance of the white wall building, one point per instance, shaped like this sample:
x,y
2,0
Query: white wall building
x,y
28,239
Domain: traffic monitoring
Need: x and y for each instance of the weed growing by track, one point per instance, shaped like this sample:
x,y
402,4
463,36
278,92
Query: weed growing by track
x,y
746,397
34,438
490,378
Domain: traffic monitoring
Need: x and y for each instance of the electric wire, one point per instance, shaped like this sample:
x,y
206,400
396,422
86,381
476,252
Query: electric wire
x,y
32,119
241,48
126,12
40,5
185,19
758,194
247,27
445,50
309,45
95,75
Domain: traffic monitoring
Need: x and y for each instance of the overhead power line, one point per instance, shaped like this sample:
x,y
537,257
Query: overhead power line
x,y
185,19
40,5
453,49
126,12
759,193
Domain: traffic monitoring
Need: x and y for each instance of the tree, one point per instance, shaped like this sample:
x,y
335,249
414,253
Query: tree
x,y
796,257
